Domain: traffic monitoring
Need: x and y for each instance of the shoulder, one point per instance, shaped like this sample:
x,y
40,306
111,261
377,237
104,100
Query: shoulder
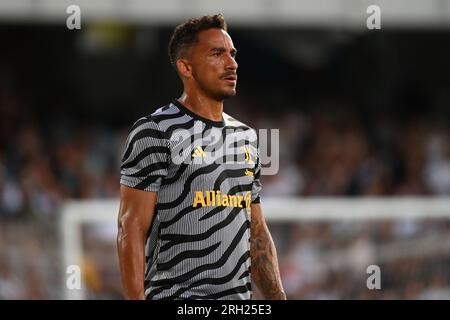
x,y
156,120
165,112
232,122
248,133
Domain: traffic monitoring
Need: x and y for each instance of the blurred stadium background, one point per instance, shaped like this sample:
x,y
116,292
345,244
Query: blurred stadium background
x,y
365,137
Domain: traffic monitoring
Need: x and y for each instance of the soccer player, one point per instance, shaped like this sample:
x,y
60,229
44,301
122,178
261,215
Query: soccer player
x,y
190,220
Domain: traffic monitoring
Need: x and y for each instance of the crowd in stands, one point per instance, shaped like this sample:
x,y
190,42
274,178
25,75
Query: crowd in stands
x,y
328,148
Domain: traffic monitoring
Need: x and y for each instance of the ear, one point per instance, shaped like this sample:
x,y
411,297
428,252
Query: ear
x,y
184,68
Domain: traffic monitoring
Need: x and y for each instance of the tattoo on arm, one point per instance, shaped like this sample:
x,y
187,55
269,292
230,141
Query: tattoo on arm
x,y
264,269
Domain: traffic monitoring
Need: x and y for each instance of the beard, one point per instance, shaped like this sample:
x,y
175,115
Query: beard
x,y
215,91
225,94
220,94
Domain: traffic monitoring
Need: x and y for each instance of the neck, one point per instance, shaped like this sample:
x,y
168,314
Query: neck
x,y
203,106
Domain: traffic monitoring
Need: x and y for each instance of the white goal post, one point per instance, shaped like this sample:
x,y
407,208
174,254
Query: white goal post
x,y
75,214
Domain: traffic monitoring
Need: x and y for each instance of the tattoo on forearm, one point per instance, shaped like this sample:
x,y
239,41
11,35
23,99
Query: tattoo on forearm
x,y
265,271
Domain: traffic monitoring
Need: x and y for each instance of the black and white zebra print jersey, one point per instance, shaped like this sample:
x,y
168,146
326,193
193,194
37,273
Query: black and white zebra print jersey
x,y
206,174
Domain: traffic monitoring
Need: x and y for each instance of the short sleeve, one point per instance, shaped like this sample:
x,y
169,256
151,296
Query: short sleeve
x,y
257,186
146,156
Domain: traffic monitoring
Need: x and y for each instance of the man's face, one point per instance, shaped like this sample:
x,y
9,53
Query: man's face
x,y
213,64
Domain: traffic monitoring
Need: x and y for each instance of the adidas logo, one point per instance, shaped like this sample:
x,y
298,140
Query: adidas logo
x,y
198,152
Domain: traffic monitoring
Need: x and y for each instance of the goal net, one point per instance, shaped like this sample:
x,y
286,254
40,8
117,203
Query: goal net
x,y
328,248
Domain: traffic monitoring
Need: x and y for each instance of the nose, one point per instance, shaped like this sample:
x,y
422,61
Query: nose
x,y
231,63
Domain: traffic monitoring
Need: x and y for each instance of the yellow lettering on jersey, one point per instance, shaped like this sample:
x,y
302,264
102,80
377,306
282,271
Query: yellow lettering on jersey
x,y
248,199
233,200
219,202
199,199
248,173
225,200
239,200
248,158
213,198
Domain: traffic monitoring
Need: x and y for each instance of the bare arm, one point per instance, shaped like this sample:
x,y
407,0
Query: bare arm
x,y
265,271
135,217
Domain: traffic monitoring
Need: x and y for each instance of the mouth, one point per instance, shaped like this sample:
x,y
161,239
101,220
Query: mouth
x,y
230,79
230,76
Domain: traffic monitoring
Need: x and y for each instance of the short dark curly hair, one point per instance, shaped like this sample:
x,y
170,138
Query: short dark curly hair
x,y
185,34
